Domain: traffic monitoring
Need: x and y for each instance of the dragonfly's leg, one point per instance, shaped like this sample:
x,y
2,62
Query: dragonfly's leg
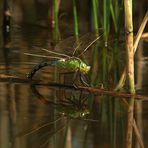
x,y
70,101
76,100
65,103
74,79
80,99
82,80
67,99
83,101
73,100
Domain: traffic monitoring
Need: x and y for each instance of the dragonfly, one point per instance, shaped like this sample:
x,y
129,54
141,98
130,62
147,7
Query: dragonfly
x,y
72,63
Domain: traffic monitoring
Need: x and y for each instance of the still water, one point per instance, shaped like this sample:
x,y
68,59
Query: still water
x,y
27,122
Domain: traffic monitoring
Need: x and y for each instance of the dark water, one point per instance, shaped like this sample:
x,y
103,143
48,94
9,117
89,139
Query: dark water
x,y
22,114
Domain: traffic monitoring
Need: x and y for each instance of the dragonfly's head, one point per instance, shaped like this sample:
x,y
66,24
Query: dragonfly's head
x,y
84,68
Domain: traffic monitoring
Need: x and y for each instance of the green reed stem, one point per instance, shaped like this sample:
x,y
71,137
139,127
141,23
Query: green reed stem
x,y
104,66
130,68
113,17
95,15
106,18
76,28
94,69
119,15
137,39
129,43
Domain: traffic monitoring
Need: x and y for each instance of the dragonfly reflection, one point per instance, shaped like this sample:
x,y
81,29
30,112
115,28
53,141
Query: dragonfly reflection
x,y
66,109
73,107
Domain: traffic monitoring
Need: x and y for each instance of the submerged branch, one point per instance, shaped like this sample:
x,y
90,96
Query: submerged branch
x,y
94,90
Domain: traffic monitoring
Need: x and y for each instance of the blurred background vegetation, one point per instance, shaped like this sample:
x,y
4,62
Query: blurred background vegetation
x,y
73,16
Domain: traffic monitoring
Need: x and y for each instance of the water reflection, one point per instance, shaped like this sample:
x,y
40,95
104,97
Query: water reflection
x,y
73,105
34,123
22,112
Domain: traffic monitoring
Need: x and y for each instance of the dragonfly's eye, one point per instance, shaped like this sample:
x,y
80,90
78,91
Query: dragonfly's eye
x,y
84,68
82,114
82,65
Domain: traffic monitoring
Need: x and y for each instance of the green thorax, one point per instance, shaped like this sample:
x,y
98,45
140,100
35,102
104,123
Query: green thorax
x,y
74,64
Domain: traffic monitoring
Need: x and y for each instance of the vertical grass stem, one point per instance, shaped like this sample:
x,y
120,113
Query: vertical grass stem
x,y
95,16
76,29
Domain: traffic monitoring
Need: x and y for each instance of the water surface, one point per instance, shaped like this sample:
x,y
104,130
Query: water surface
x,y
21,111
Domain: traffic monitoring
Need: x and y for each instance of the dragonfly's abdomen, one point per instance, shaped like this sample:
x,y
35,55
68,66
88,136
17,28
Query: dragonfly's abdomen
x,y
38,67
62,63
73,64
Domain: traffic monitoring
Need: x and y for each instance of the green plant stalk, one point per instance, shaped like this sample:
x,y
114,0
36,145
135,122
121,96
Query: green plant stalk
x,y
104,66
116,8
129,44
116,16
95,16
94,68
116,13
76,29
113,17
120,16
130,68
106,18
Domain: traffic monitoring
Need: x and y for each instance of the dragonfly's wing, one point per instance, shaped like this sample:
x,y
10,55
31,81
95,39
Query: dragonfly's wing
x,y
75,46
86,42
66,46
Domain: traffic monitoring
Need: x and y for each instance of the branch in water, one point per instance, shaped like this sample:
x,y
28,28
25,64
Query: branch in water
x,y
97,91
